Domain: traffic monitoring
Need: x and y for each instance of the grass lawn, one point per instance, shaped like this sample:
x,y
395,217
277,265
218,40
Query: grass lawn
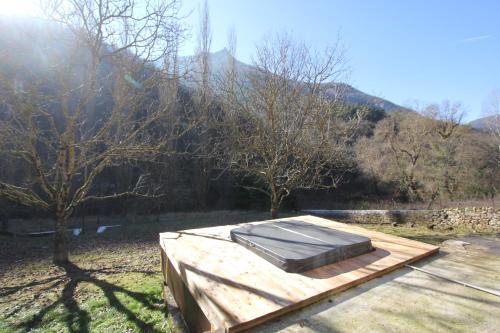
x,y
114,282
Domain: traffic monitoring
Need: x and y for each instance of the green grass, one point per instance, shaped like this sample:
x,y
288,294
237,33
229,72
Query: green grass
x,y
114,282
105,310
113,285
110,294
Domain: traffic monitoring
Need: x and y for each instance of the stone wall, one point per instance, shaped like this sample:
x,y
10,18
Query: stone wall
x,y
470,217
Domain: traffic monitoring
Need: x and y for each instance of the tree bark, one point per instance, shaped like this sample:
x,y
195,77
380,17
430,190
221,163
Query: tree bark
x,y
433,198
274,206
61,242
203,183
274,213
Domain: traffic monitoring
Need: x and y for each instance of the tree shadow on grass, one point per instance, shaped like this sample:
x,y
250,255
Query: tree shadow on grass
x,y
78,319
6,291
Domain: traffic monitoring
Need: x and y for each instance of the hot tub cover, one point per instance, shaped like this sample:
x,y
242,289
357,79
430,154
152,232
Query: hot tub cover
x,y
297,246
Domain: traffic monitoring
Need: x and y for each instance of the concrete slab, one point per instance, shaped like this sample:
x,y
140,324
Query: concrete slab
x,y
411,301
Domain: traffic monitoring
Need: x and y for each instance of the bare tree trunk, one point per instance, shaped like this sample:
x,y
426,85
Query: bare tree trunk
x,y
274,206
203,182
274,213
61,241
83,224
205,186
204,163
433,198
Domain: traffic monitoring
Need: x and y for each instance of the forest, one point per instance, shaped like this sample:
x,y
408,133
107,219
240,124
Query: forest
x,y
100,115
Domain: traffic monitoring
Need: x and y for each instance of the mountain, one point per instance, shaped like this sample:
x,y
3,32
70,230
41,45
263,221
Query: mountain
x,y
30,36
354,96
485,122
219,60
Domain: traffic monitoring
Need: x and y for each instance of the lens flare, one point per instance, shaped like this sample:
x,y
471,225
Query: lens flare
x,y
19,8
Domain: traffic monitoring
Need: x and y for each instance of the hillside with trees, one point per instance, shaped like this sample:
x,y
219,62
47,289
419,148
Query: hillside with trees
x,y
100,115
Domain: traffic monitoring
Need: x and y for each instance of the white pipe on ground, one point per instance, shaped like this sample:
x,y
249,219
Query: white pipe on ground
x,y
486,290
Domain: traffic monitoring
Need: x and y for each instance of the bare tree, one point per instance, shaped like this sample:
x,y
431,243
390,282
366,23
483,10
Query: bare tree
x,y
442,176
479,172
92,103
492,110
490,166
203,54
447,115
283,126
230,71
203,101
417,152
396,151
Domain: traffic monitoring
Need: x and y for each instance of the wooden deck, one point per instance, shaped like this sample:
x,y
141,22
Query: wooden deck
x,y
220,285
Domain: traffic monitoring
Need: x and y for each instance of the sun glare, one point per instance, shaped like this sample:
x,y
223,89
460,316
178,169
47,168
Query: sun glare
x,y
19,7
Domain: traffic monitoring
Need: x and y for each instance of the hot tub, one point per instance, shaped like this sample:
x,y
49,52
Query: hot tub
x,y
297,246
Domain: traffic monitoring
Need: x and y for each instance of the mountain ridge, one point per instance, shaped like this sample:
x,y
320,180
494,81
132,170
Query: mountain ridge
x,y
219,59
484,123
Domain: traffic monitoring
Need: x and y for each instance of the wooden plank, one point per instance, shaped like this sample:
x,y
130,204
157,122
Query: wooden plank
x,y
236,289
194,317
164,265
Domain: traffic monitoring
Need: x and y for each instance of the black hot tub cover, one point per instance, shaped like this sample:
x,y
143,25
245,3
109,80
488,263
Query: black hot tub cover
x,y
297,246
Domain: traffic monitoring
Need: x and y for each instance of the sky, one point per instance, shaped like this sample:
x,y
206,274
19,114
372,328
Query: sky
x,y
403,51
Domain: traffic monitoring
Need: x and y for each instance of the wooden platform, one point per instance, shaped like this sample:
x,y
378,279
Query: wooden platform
x,y
220,285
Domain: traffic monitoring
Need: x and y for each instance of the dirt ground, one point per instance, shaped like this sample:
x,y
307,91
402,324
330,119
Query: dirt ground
x,y
114,285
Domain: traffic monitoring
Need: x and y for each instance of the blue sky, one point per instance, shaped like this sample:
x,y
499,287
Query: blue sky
x,y
400,50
